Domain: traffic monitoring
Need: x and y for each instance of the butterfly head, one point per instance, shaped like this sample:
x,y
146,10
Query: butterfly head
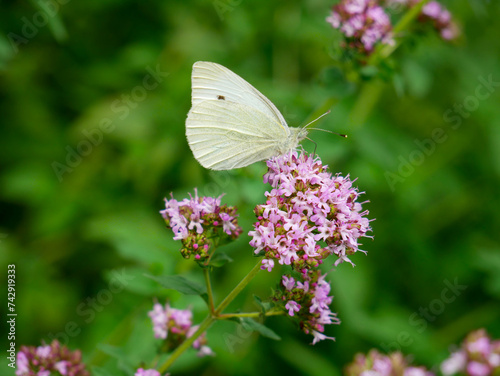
x,y
297,135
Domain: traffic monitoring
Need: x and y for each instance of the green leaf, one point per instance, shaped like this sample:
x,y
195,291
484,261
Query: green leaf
x,y
121,357
265,306
220,259
250,324
335,80
417,78
369,71
179,283
112,351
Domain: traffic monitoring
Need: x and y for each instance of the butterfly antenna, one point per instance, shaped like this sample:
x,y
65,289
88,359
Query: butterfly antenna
x,y
325,130
319,117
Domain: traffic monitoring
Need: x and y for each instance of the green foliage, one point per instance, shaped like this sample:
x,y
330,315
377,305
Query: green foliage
x,y
181,284
92,139
252,325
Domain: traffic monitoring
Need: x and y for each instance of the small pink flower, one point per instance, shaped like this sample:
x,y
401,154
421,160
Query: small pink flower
x,y
455,363
147,372
317,336
478,369
292,307
267,264
334,19
288,282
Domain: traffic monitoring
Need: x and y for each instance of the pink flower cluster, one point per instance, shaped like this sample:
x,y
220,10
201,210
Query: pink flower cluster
x,y
434,13
48,360
363,22
376,364
200,222
478,356
309,214
308,301
175,325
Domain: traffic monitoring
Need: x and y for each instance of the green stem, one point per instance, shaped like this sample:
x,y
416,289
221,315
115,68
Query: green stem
x,y
409,16
187,343
384,50
214,315
371,91
250,314
206,275
366,101
245,281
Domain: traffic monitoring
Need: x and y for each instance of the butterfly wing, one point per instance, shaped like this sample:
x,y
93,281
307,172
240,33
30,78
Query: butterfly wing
x,y
212,81
224,135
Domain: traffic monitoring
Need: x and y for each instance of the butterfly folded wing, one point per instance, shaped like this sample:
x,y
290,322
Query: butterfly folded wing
x,y
211,81
224,135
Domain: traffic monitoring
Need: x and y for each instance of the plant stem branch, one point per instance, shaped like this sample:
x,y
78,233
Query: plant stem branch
x,y
206,275
384,50
187,343
214,315
250,314
245,281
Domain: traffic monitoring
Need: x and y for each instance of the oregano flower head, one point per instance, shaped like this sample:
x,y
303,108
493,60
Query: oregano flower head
x,y
309,214
377,364
201,223
174,326
363,22
52,359
433,13
307,300
479,355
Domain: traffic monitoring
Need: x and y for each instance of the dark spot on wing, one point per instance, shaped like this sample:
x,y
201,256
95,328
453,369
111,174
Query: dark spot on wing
x,y
221,97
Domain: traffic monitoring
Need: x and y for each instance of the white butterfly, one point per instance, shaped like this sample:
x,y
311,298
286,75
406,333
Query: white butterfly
x,y
231,124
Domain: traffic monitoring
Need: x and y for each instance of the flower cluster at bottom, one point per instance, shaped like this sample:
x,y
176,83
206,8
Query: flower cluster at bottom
x,y
308,301
174,326
478,356
377,364
47,360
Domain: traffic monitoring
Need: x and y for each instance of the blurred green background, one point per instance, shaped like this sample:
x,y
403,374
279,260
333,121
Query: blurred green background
x,y
92,141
